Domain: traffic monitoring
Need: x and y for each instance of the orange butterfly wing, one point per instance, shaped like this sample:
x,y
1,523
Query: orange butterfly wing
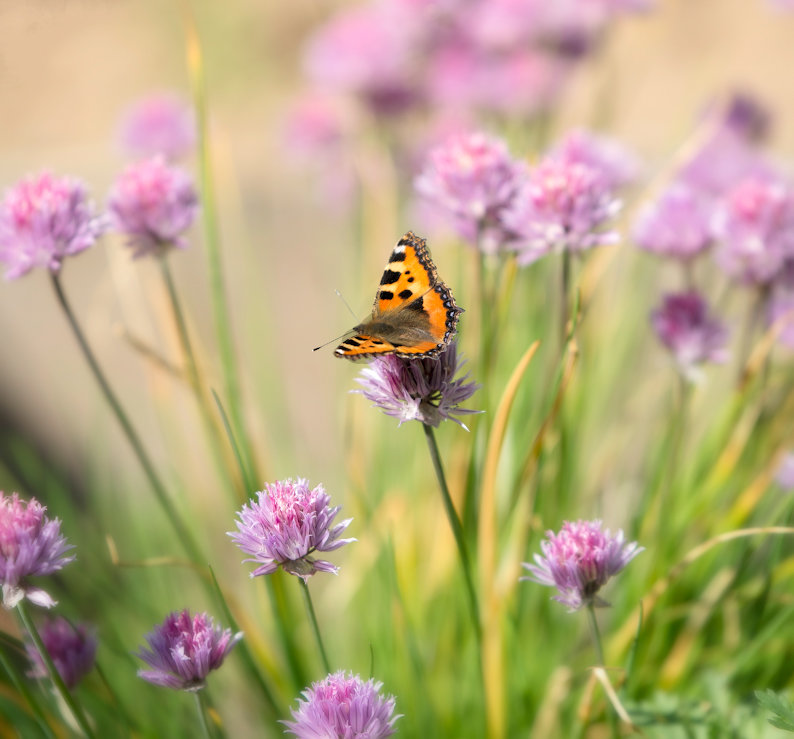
x,y
414,314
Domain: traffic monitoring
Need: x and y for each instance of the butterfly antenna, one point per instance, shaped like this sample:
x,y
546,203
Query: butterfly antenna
x,y
338,338
347,305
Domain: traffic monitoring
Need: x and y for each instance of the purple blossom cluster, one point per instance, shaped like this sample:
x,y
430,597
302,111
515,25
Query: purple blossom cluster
x,y
579,560
565,203
72,649
729,199
184,649
425,390
505,56
44,219
285,525
31,545
343,705
161,124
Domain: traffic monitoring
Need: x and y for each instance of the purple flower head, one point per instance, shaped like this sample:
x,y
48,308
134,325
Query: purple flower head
x,y
677,224
153,204
159,124
785,472
473,179
44,219
684,325
564,206
423,390
184,649
616,164
368,52
579,560
71,648
755,226
343,707
744,115
285,525
30,544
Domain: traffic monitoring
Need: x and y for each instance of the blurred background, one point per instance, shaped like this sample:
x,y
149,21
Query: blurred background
x,y
298,224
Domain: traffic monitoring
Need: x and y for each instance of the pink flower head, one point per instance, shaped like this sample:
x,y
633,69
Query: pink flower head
x,y
677,224
71,648
30,545
579,560
285,525
161,124
755,226
684,325
563,206
184,649
44,219
424,390
343,707
153,203
473,179
613,161
368,52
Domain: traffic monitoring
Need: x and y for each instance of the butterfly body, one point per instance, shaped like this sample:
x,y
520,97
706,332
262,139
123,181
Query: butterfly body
x,y
414,314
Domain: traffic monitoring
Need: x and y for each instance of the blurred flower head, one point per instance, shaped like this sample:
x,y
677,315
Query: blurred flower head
x,y
285,525
472,179
609,157
184,649
424,390
368,52
743,114
564,206
579,560
71,648
44,219
153,204
677,224
30,545
755,228
785,472
161,124
684,325
780,304
343,707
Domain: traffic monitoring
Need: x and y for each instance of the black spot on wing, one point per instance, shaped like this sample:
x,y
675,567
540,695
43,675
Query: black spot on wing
x,y
397,256
351,342
389,277
405,294
417,305
386,295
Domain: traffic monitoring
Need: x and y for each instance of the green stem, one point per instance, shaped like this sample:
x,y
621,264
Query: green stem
x,y
205,727
182,533
22,688
457,531
194,378
565,284
599,650
315,626
55,676
220,308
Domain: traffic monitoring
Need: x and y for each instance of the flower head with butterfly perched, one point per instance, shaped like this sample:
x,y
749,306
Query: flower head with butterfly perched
x,y
414,314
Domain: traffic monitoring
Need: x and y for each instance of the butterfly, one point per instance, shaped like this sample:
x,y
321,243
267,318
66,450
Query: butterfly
x,y
414,314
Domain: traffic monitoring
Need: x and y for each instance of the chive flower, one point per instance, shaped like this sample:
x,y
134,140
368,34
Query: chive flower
x,y
184,649
43,220
579,560
285,525
425,390
72,649
685,326
153,204
472,179
31,545
159,124
343,707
